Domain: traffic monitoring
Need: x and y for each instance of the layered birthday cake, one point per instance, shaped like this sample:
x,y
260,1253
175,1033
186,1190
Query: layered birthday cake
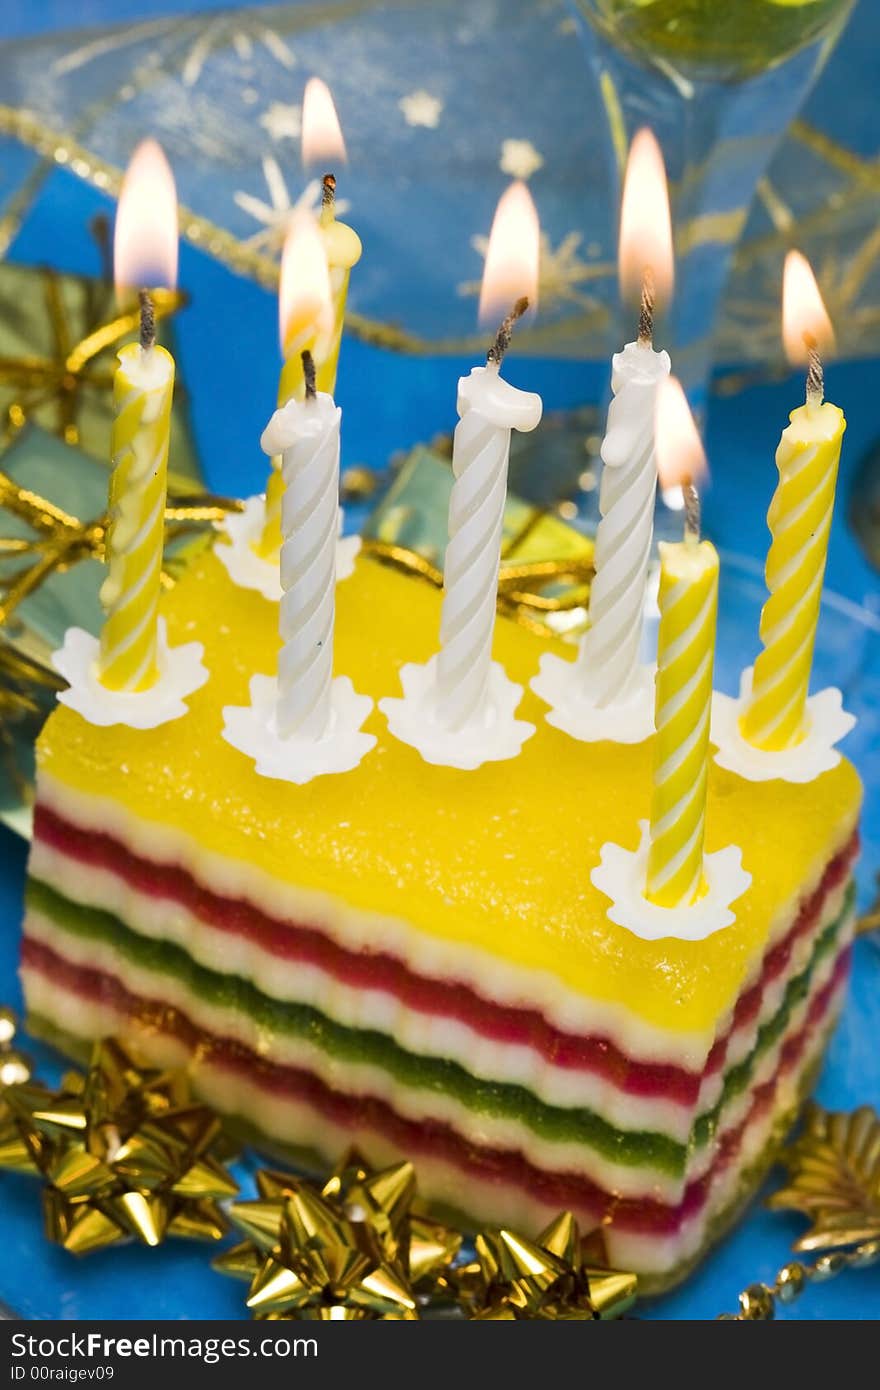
x,y
415,958
380,867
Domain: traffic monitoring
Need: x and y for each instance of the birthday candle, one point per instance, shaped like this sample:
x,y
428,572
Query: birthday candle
x,y
305,325
800,523
145,240
685,659
322,140
342,247
489,408
306,434
609,652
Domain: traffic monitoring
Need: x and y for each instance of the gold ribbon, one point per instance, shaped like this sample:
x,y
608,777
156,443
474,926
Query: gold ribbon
x,y
71,363
47,373
62,539
520,584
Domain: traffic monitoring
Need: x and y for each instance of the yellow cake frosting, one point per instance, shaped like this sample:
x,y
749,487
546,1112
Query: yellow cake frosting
x,y
498,859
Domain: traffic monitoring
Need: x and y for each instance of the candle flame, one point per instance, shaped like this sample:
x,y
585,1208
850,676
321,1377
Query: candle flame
x,y
677,443
145,245
305,307
645,222
322,139
805,321
511,269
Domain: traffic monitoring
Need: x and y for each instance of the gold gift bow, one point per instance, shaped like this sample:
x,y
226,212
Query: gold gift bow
x,y
124,1152
361,1246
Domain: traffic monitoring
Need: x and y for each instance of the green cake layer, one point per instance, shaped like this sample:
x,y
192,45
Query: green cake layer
x,y
554,1124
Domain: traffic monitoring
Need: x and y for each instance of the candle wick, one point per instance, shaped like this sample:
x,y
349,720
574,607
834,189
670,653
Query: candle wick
x,y
646,308
815,372
308,364
328,198
148,320
495,355
691,511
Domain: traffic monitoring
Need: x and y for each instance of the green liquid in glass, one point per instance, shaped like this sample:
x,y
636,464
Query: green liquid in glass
x,y
723,39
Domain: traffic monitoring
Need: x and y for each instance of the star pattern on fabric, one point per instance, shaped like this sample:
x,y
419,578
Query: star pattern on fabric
x,y
562,272
282,121
421,109
274,215
75,58
519,158
216,35
816,184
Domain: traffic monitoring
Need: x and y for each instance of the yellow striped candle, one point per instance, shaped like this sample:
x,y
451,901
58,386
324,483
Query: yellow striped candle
x,y
799,518
142,392
685,661
343,247
145,248
682,708
323,144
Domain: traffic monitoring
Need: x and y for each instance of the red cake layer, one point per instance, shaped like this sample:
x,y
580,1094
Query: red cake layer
x,y
366,970
639,1216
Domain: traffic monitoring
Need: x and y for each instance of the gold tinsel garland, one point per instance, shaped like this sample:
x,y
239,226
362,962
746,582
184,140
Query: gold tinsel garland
x,y
834,1179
